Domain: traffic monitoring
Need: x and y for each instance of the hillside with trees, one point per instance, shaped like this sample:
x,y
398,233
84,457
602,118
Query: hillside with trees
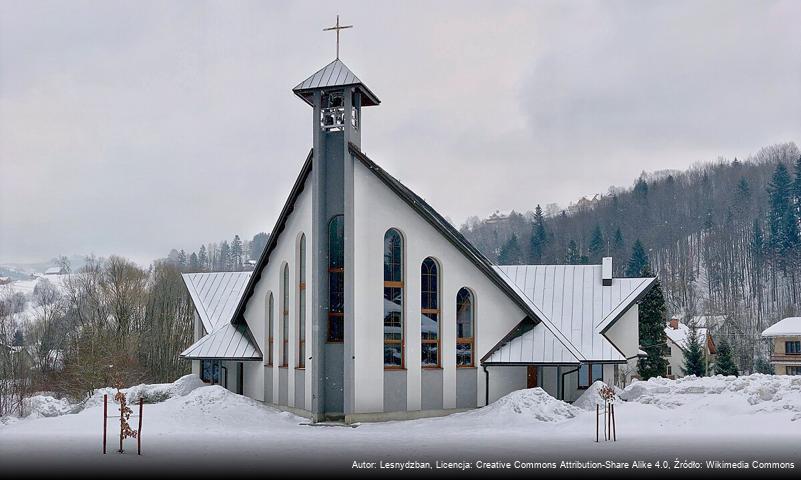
x,y
724,238
224,256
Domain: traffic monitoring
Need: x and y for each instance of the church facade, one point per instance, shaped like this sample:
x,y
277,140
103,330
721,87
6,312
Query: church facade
x,y
366,304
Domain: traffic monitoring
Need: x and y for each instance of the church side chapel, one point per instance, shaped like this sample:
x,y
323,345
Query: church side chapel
x,y
366,304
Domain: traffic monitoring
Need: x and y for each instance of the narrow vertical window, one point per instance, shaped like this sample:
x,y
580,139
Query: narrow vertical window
x,y
464,328
393,299
270,326
429,313
336,279
285,317
302,302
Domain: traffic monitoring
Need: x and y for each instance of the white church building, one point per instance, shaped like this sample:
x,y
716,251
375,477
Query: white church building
x,y
366,304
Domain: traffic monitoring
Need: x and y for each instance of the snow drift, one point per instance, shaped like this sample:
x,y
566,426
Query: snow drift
x,y
532,403
761,393
590,398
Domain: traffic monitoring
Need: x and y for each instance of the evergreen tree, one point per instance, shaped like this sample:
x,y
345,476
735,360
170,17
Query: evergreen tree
x,y
225,257
236,253
596,248
724,365
694,363
257,245
757,240
780,196
510,253
538,237
19,339
652,319
572,256
618,249
796,193
182,259
203,259
638,261
194,264
762,365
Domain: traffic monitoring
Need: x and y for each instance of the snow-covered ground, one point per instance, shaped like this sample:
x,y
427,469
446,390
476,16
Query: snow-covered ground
x,y
757,417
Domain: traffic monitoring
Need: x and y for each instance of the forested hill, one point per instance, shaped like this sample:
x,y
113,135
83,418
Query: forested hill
x,y
723,237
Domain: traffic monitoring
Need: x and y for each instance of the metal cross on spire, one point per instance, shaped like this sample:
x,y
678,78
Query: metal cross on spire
x,y
337,27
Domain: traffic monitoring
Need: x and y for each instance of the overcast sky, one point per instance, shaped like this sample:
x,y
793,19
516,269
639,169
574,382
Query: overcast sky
x,y
132,127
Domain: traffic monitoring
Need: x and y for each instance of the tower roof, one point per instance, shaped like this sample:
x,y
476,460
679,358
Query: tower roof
x,y
335,74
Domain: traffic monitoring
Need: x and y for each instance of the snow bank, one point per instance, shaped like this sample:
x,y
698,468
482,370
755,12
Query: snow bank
x,y
152,393
531,403
590,398
761,393
158,392
39,406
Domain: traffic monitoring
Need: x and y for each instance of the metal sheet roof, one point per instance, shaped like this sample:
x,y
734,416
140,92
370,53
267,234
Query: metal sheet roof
x,y
335,74
575,307
538,345
230,342
216,296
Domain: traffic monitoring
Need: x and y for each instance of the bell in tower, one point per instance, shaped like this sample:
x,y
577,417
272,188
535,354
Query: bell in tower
x,y
336,96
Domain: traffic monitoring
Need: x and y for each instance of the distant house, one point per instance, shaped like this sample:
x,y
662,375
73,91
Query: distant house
x,y
678,335
55,271
786,353
4,280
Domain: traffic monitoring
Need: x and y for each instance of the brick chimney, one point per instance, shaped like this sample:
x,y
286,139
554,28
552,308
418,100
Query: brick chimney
x,y
674,323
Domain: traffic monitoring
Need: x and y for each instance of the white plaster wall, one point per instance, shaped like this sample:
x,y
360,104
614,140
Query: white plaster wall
x,y
625,333
255,311
675,359
377,208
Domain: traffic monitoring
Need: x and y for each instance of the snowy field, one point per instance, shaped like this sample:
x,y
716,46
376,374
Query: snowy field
x,y
207,428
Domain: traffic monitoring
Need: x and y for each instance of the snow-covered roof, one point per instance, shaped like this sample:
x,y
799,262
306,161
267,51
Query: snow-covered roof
x,y
681,335
53,271
575,308
216,296
785,327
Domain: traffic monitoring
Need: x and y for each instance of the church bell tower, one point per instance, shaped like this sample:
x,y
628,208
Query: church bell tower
x,y
336,96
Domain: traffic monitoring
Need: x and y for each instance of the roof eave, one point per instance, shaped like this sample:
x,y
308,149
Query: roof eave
x,y
630,302
442,225
370,99
278,228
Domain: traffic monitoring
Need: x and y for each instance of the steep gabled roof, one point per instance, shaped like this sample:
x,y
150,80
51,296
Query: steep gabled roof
x,y
215,296
574,306
335,74
681,335
414,201
272,241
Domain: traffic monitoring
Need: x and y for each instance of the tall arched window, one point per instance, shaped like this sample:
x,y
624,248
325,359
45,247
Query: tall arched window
x,y
429,313
285,316
465,328
302,301
336,279
393,299
270,332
